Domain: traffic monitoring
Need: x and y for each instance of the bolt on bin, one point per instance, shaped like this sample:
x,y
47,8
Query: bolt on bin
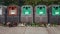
x,y
26,14
2,14
41,14
13,14
54,14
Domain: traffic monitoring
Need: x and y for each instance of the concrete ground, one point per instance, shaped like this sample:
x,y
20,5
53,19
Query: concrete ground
x,y
30,30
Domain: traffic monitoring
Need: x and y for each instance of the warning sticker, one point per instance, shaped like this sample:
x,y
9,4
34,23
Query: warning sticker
x,y
26,12
13,12
56,12
40,12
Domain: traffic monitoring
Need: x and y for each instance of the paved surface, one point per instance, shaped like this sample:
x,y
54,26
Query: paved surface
x,y
53,30
30,30
12,30
36,30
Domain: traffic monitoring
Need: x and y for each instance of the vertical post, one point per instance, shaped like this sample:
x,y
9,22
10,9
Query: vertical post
x,y
19,14
33,14
5,16
48,15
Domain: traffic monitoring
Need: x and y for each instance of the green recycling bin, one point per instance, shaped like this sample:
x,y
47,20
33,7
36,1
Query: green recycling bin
x,y
54,14
41,14
26,14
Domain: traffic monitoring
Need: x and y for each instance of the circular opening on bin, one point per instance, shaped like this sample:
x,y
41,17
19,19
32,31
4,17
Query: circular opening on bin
x,y
56,8
26,7
13,8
